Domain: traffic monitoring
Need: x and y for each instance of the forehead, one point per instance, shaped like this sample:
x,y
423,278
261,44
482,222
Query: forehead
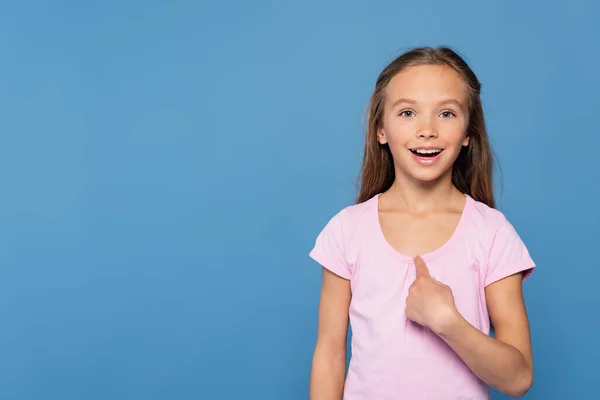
x,y
425,83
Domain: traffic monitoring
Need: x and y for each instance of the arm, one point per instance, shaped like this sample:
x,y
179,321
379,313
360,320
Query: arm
x,y
504,362
329,359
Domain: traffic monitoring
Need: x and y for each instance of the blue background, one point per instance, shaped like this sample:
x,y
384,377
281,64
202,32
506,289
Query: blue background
x,y
166,166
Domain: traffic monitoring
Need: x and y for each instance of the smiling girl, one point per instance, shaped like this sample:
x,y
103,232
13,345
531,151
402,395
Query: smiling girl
x,y
422,263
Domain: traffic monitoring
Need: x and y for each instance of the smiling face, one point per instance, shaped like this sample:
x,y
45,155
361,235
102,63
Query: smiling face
x,y
425,121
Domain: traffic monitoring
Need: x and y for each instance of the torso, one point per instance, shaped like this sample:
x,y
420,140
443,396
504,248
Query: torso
x,y
372,245
392,357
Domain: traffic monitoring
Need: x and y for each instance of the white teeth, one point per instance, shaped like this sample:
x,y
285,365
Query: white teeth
x,y
428,151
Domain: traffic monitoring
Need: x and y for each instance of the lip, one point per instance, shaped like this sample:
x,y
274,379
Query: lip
x,y
426,161
426,148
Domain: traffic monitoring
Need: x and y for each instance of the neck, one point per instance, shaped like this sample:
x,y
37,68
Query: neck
x,y
418,197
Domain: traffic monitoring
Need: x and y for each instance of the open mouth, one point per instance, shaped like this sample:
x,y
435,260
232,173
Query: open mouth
x,y
426,152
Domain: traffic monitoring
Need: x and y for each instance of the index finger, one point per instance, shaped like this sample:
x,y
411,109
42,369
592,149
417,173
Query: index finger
x,y
421,267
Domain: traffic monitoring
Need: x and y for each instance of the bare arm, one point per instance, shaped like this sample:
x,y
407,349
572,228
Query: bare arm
x,y
504,362
329,360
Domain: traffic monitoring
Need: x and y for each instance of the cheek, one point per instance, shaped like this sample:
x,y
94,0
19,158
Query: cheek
x,y
398,143
398,132
454,134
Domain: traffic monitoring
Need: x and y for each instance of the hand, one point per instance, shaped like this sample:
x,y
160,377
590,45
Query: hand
x,y
430,303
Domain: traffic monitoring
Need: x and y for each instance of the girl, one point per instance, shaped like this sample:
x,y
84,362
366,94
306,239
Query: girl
x,y
423,261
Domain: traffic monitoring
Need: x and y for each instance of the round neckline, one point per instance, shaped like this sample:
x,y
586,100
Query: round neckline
x,y
432,255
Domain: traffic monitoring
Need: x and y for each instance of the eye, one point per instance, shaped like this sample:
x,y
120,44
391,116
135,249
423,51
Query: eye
x,y
448,114
406,113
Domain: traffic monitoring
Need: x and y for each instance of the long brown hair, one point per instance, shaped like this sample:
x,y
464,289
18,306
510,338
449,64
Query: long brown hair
x,y
472,170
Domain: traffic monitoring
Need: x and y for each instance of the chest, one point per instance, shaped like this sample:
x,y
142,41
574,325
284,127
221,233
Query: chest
x,y
382,281
410,235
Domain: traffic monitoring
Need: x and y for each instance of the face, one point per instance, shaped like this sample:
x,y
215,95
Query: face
x,y
425,121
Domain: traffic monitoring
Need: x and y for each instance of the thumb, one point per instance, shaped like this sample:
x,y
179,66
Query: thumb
x,y
421,267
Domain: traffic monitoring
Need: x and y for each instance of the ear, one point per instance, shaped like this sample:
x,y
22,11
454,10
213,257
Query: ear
x,y
466,141
381,135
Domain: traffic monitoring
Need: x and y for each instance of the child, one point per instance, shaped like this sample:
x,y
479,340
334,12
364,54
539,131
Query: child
x,y
423,261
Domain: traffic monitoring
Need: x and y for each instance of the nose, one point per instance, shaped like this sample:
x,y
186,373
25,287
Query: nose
x,y
427,132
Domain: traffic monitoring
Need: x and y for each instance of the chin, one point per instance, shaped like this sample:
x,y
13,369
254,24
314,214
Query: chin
x,y
428,177
424,174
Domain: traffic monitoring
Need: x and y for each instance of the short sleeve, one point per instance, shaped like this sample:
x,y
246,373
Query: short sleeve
x,y
329,248
508,256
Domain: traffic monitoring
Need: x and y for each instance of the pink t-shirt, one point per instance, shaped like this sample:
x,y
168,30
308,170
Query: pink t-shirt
x,y
392,357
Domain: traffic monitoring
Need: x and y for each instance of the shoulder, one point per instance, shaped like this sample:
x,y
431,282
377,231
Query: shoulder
x,y
337,244
486,219
347,223
353,216
503,250
487,226
487,214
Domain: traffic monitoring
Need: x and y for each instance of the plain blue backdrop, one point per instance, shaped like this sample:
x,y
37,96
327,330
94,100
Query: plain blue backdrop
x,y
166,166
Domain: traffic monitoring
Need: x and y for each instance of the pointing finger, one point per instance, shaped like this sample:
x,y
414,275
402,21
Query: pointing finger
x,y
421,267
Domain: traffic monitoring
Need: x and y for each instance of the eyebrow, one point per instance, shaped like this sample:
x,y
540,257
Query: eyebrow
x,y
447,101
